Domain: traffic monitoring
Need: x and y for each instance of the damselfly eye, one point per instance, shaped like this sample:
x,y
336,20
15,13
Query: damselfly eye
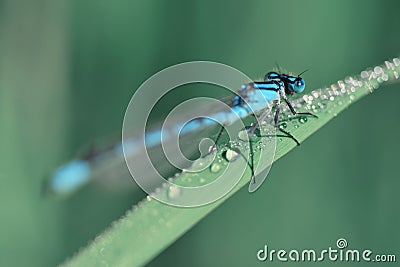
x,y
299,85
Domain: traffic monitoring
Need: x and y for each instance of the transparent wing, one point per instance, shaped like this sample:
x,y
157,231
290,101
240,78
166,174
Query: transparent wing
x,y
171,146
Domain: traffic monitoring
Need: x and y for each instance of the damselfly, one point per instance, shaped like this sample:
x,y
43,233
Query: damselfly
x,y
276,86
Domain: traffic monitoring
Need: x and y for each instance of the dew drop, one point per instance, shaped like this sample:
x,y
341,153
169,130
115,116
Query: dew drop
x,y
331,98
364,74
243,135
231,155
396,61
283,125
215,167
296,126
173,192
303,119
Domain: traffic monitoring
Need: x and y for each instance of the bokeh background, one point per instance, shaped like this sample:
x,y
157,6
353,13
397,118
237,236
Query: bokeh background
x,y
69,68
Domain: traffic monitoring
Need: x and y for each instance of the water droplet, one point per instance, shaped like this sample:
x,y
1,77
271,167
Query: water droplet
x,y
215,167
378,70
202,180
173,192
296,126
231,155
331,98
283,125
303,119
148,198
396,61
243,135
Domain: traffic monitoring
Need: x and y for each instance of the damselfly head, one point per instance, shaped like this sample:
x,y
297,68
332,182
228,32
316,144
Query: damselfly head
x,y
293,84
296,84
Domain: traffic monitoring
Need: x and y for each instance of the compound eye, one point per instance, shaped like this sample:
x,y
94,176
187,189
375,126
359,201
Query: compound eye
x,y
299,86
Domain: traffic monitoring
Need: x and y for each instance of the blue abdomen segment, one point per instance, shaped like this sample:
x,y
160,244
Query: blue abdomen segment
x,y
70,176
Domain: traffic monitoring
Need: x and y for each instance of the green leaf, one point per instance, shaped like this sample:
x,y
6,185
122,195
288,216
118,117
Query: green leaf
x,y
149,227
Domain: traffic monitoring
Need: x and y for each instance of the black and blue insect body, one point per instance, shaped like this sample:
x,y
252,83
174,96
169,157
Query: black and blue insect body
x,y
276,86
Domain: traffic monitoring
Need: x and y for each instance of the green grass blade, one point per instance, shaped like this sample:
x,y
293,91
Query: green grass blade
x,y
151,226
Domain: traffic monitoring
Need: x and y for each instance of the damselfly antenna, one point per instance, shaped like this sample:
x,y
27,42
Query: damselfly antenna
x,y
301,73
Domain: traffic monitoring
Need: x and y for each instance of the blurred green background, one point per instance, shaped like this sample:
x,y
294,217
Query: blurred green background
x,y
69,68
